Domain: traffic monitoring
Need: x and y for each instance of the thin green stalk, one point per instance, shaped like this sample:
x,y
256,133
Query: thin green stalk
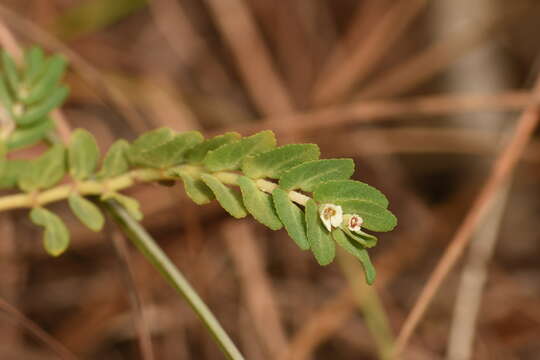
x,y
370,305
147,245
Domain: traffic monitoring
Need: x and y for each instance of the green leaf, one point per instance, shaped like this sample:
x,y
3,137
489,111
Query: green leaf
x,y
130,204
115,162
228,198
86,211
6,99
197,190
258,203
357,251
83,154
273,163
230,156
45,171
35,64
364,239
26,136
56,237
171,152
198,153
10,69
13,170
320,242
40,110
332,191
292,217
42,86
3,151
309,175
376,217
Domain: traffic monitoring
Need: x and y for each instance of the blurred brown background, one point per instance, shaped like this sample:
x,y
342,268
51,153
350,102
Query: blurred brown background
x,y
422,94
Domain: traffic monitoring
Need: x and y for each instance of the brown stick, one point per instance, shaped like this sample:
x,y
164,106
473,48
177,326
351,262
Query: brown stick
x,y
503,167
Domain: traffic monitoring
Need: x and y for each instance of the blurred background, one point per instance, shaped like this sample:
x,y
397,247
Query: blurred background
x,y
421,94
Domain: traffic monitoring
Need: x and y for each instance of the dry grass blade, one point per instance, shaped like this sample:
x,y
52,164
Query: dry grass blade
x,y
239,29
37,331
386,32
502,168
256,287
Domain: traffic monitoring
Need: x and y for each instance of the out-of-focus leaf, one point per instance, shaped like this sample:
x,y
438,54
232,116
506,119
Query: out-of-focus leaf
x,y
86,211
198,153
56,235
42,109
357,251
45,171
115,162
46,81
130,204
83,154
26,136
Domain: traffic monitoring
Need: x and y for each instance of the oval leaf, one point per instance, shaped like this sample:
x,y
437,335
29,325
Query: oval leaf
x,y
273,163
309,175
13,170
197,190
45,171
228,198
39,111
357,251
83,154
198,153
130,204
364,239
27,136
332,191
56,237
115,162
376,217
258,203
42,86
320,242
292,217
86,211
230,156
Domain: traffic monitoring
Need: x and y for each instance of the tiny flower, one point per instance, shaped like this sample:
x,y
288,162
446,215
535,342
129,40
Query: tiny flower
x,y
355,222
331,215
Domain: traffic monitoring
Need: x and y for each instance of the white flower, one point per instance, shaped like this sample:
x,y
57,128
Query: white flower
x,y
331,215
355,222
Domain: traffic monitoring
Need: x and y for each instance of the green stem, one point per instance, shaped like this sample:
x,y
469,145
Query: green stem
x,y
370,305
147,245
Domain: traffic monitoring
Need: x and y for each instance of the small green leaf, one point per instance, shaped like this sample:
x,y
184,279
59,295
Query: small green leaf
x,y
35,64
357,251
115,162
230,156
26,136
45,171
376,217
130,204
332,191
198,153
56,237
273,163
228,198
3,151
13,170
6,99
320,242
309,175
259,204
83,154
364,239
10,69
40,110
197,190
42,86
86,211
171,152
292,217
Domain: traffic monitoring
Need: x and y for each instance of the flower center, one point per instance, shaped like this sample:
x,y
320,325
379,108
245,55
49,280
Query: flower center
x,y
328,213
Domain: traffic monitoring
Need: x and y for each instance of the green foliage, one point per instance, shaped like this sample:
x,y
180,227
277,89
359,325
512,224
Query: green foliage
x,y
29,93
286,186
230,156
56,235
258,203
310,174
319,239
83,154
88,213
272,164
292,217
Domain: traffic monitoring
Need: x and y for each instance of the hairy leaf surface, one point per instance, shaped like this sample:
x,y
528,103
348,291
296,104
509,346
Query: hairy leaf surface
x,y
309,175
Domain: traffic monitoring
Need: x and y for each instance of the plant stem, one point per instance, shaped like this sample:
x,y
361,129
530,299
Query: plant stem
x,y
149,248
